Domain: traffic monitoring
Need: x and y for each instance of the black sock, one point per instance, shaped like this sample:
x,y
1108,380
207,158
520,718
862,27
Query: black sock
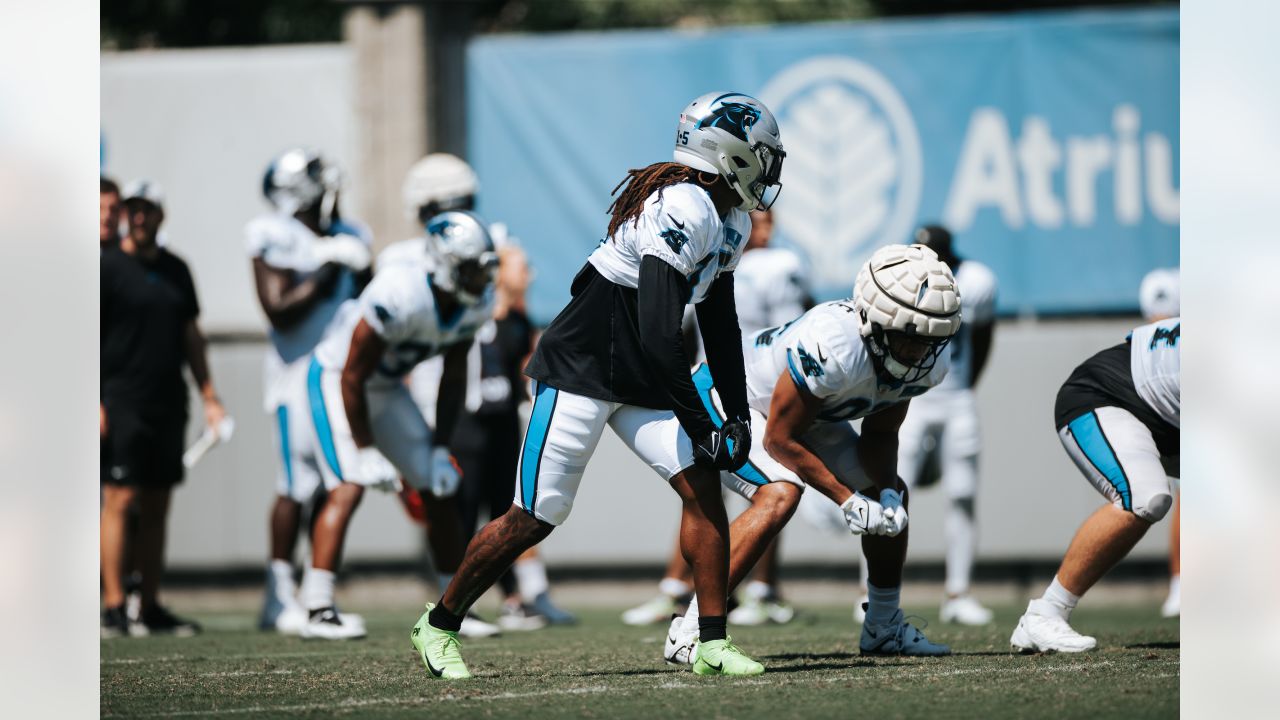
x,y
442,619
712,627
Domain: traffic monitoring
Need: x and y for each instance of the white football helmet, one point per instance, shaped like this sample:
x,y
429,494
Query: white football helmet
x,y
436,183
463,253
300,179
1160,294
736,137
909,305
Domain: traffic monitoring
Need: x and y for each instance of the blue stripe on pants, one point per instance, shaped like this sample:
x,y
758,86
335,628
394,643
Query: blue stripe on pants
x,y
535,441
320,416
703,382
1093,443
282,417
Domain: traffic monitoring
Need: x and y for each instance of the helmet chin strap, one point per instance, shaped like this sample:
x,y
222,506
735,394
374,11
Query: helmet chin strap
x,y
327,203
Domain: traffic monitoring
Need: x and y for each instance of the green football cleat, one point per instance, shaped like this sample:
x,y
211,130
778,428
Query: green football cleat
x,y
440,650
722,657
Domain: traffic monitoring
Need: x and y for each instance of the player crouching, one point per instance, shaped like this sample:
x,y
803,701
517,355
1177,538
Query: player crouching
x,y
807,381
1119,418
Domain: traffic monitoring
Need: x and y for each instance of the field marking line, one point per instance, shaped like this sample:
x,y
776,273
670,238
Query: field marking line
x,y
231,658
244,673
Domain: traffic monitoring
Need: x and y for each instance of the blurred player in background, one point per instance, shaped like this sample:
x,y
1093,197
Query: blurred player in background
x,y
109,211
941,437
1118,416
1160,298
614,356
149,331
807,381
367,431
307,261
770,289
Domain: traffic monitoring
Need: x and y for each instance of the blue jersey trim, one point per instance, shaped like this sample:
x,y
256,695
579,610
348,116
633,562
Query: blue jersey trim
x,y
282,418
705,384
1095,446
535,441
320,416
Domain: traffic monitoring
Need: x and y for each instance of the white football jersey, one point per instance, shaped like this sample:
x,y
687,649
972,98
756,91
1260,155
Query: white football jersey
x,y
684,230
823,351
401,309
977,307
283,242
1156,364
406,252
769,288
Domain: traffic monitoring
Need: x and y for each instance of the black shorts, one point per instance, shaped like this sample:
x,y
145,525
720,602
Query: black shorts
x,y
142,449
1106,380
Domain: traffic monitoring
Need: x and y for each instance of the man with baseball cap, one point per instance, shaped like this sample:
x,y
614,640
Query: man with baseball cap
x,y
148,332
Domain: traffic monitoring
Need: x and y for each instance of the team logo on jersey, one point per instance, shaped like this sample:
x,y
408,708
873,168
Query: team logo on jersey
x,y
676,239
732,117
809,366
1168,336
854,164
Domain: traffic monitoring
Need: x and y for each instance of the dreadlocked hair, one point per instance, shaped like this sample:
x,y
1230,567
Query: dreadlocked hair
x,y
641,183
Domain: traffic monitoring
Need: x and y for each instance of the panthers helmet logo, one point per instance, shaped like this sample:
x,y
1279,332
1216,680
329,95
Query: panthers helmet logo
x,y
733,117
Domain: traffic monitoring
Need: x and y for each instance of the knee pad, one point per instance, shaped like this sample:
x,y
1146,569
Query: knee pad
x,y
1156,508
552,508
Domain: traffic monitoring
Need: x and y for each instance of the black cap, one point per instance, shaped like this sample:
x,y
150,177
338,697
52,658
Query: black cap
x,y
936,238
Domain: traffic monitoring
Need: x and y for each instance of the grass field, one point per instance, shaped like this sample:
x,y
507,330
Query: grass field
x,y
603,669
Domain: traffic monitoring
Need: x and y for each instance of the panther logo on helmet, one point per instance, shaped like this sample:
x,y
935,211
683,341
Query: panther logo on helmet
x,y
464,255
733,117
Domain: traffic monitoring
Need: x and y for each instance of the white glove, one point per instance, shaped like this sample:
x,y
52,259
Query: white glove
x,y
863,515
445,475
895,515
374,470
344,250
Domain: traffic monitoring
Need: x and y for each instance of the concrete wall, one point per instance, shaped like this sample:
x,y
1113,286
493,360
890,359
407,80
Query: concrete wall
x,y
1031,498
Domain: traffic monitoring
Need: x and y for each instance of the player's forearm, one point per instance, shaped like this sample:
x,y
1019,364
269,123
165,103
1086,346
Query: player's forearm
x,y
799,459
285,304
357,408
878,454
451,397
196,351
722,336
982,336
662,296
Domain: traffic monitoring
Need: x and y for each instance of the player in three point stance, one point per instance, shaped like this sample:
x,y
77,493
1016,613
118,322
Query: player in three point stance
x,y
807,381
1119,418
614,356
306,263
366,429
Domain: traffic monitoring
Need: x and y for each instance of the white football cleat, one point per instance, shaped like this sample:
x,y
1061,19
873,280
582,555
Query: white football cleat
x,y
678,649
964,610
1172,607
283,615
474,627
517,617
652,611
1040,630
750,612
329,624
859,609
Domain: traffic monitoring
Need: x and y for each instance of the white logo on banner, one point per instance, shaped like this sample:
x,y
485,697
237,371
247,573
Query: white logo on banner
x,y
852,177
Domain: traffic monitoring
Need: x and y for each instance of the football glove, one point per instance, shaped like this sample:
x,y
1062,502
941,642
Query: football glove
x,y
863,515
345,250
895,515
725,448
445,473
374,470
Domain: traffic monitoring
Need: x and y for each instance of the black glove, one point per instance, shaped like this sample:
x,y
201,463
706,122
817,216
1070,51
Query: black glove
x,y
725,448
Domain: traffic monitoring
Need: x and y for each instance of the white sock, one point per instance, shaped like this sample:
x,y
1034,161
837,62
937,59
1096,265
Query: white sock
x,y
1175,585
674,587
317,588
531,578
758,590
882,604
962,540
280,581
1058,600
690,624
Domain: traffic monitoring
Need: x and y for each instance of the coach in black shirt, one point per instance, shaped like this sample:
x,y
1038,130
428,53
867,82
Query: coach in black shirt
x,y
148,333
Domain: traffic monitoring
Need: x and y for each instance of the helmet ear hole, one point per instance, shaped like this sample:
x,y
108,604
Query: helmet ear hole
x,y
742,164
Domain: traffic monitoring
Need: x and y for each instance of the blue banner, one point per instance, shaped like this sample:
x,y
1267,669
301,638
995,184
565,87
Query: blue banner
x,y
1047,142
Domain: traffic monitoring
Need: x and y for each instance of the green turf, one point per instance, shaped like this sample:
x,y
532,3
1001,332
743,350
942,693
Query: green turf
x,y
603,669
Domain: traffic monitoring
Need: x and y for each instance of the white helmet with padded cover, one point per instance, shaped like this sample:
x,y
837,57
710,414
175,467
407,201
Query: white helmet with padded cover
x,y
436,183
736,137
906,296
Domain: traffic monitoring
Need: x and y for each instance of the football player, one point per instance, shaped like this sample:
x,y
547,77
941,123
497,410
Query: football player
x,y
306,263
940,439
1118,416
366,430
807,381
1159,298
770,288
614,356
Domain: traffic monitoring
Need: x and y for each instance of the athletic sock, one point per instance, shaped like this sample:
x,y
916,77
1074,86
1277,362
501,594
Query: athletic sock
x,y
317,588
712,627
882,604
531,578
1175,585
280,581
1058,600
442,619
961,534
759,590
691,618
674,587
